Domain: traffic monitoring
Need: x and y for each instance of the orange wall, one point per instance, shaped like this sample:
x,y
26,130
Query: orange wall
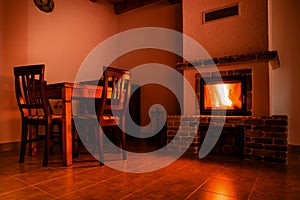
x,y
64,38
234,35
285,37
14,50
159,14
61,40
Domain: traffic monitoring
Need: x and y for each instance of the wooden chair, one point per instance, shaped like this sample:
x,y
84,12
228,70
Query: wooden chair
x,y
111,108
35,108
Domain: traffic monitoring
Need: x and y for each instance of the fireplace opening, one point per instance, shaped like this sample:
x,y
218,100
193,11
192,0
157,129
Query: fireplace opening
x,y
225,95
230,143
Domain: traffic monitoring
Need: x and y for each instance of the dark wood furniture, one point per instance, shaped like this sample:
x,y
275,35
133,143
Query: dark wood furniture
x,y
35,108
110,111
66,91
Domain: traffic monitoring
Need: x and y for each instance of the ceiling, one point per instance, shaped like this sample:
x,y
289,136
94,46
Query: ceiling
x,y
122,6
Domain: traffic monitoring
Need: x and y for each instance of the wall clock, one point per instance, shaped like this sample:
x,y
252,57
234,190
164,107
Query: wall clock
x,y
45,5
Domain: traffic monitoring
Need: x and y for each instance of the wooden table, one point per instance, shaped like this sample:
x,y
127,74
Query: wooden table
x,y
66,92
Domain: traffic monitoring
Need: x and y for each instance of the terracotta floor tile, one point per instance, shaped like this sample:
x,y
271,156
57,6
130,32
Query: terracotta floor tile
x,y
9,183
204,195
95,191
40,175
27,193
213,177
98,174
241,174
129,182
63,185
228,187
172,186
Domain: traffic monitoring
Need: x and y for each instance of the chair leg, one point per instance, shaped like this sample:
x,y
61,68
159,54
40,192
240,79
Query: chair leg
x,y
75,147
23,142
60,138
33,131
123,144
100,138
51,140
47,145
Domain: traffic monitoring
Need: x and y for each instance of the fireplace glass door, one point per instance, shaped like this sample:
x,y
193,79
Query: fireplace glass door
x,y
226,95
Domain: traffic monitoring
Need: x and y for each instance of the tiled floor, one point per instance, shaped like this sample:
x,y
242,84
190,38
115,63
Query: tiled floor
x,y
211,178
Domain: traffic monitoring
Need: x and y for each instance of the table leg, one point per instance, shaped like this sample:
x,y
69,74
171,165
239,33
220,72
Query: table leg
x,y
67,126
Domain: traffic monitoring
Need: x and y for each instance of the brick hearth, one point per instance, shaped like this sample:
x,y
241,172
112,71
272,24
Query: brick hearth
x,y
265,138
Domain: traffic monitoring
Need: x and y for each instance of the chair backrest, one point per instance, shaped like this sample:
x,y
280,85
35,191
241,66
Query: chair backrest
x,y
30,90
116,93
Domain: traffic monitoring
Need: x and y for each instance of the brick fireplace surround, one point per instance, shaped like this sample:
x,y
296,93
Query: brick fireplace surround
x,y
264,138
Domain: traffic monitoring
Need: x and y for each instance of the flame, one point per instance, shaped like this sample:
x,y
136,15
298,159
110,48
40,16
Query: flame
x,y
223,96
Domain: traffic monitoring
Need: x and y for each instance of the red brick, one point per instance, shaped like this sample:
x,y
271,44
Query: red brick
x,y
271,128
263,140
280,141
254,145
254,121
254,133
276,147
234,121
276,122
275,135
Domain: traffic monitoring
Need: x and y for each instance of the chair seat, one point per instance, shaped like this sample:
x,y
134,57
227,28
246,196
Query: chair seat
x,y
33,117
108,119
56,117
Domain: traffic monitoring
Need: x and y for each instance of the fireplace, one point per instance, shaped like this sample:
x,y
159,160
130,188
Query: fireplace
x,y
250,132
225,95
227,92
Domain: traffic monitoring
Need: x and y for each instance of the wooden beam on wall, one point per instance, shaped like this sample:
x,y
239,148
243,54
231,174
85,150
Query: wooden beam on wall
x,y
174,1
130,5
122,6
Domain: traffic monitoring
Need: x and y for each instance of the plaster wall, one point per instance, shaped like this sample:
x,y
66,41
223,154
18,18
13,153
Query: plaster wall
x,y
245,33
284,31
61,40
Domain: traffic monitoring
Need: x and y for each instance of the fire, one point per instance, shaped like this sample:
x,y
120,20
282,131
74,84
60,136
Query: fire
x,y
223,96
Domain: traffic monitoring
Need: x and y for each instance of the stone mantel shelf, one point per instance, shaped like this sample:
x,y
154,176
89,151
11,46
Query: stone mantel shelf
x,y
271,56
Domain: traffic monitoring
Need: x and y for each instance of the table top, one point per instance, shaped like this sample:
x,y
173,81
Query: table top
x,y
55,90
